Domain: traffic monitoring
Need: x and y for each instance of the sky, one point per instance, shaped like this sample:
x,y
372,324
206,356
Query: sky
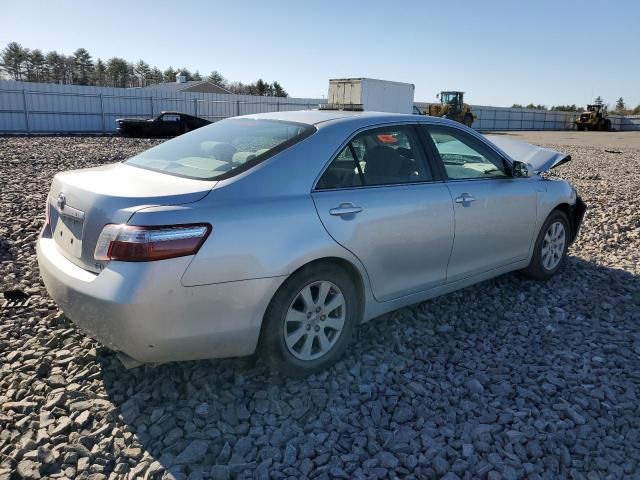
x,y
498,52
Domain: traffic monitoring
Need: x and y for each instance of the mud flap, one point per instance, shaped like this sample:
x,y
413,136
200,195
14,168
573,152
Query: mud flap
x,y
579,210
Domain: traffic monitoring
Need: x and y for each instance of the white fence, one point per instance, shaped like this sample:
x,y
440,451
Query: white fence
x,y
503,118
49,108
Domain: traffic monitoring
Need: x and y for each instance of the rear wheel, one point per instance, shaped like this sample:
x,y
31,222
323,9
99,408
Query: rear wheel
x,y
607,125
550,250
310,320
581,128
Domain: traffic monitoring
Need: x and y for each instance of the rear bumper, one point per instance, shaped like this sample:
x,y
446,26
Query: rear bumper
x,y
142,310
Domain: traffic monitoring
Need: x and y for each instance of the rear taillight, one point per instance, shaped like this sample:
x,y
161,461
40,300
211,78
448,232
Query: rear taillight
x,y
142,244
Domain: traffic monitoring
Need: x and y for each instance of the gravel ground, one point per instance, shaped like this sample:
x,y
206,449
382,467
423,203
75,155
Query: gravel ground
x,y
507,379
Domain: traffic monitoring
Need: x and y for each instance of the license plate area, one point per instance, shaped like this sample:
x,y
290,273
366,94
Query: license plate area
x,y
67,229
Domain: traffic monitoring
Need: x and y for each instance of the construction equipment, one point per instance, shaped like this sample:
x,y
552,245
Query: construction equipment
x,y
595,118
452,106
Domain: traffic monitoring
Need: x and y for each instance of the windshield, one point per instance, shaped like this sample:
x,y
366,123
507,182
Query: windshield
x,y
222,149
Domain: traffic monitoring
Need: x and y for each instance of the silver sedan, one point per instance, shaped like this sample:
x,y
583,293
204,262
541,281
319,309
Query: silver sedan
x,y
281,232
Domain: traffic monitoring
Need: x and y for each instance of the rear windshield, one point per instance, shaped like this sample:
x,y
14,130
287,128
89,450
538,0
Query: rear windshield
x,y
222,149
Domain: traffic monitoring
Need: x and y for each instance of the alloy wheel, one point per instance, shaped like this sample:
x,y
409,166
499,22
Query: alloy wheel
x,y
314,320
553,245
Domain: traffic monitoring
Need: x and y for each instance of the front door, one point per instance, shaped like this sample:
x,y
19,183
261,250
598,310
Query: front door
x,y
495,214
378,199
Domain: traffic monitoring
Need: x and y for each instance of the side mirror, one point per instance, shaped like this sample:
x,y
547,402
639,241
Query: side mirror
x,y
521,169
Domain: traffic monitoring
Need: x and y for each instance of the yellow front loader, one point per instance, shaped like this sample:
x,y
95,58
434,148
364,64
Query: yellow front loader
x,y
594,118
452,106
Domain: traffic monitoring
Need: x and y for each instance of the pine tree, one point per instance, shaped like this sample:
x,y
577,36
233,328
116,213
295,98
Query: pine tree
x,y
99,74
13,60
155,76
143,72
55,66
217,78
261,87
37,62
169,75
83,66
278,91
117,72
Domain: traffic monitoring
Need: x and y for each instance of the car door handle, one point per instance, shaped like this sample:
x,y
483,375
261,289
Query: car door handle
x,y
345,209
465,198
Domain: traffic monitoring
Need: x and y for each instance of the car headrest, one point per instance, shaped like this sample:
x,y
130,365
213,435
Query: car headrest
x,y
241,157
383,161
219,150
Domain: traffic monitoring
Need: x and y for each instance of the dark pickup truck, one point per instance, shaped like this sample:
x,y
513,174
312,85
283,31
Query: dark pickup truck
x,y
167,124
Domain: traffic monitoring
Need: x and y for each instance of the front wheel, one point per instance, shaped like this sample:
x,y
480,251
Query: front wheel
x,y
581,128
551,246
310,321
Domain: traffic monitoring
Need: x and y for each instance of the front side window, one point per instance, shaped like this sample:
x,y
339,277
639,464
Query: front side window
x,y
465,157
383,156
222,149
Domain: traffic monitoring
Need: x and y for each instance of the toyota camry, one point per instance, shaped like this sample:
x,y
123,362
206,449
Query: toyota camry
x,y
281,232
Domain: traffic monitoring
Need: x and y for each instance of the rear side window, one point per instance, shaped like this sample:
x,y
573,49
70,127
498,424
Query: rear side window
x,y
170,117
222,149
383,156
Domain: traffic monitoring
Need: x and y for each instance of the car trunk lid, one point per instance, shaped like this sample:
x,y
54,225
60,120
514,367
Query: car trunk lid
x,y
82,202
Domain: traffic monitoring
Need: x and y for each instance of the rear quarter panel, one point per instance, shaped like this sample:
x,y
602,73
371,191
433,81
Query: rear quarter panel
x,y
259,238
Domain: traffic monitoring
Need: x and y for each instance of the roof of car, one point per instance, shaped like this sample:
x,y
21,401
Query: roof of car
x,y
316,117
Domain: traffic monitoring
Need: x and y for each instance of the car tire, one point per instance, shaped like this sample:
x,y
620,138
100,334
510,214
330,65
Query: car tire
x,y
295,334
468,120
550,250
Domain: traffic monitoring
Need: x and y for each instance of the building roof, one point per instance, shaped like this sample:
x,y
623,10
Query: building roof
x,y
198,86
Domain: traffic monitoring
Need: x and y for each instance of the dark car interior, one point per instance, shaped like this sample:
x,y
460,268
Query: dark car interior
x,y
378,158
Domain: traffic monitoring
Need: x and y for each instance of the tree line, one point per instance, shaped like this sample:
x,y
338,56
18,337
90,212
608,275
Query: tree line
x,y
23,64
621,107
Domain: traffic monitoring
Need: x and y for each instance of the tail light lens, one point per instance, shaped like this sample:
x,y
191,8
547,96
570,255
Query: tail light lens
x,y
143,244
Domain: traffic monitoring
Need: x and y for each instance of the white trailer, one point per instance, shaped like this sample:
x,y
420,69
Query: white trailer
x,y
370,94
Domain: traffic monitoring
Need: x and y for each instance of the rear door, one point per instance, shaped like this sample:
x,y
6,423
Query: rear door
x,y
495,214
380,199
